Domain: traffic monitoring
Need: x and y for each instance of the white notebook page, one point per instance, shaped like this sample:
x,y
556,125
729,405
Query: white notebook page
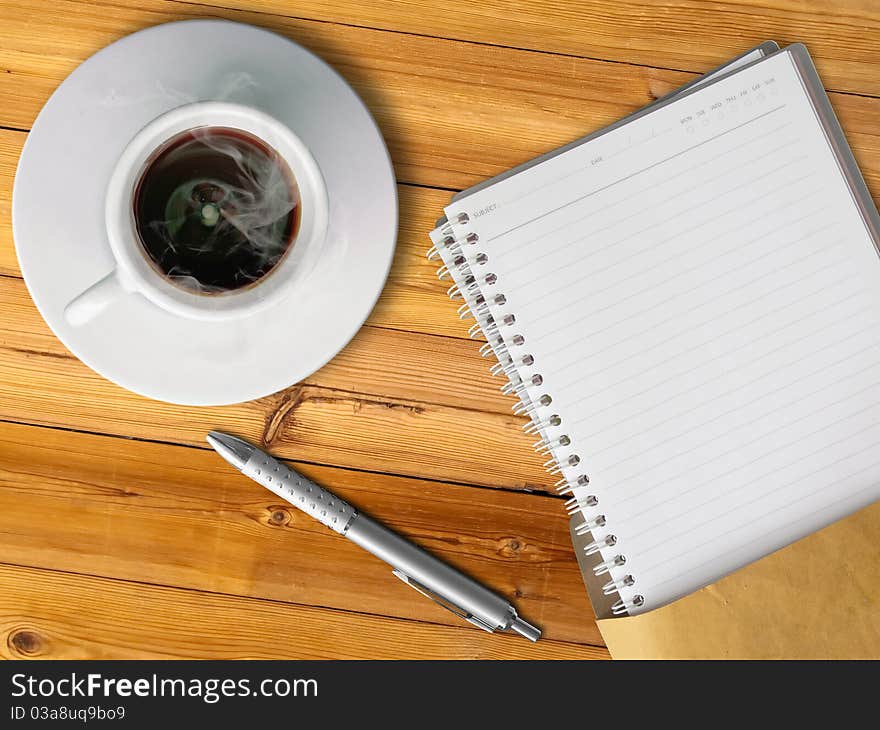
x,y
700,296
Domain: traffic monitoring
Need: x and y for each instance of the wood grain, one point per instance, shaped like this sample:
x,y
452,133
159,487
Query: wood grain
x,y
10,148
144,546
682,34
53,615
425,440
453,113
164,514
40,383
436,370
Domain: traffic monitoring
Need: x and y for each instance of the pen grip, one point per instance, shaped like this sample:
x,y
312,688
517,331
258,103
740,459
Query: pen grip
x,y
300,491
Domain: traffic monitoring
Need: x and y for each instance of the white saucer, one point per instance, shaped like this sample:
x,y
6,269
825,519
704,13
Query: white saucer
x,y
58,211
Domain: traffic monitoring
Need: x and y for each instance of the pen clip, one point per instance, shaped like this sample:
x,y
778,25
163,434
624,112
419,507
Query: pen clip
x,y
443,601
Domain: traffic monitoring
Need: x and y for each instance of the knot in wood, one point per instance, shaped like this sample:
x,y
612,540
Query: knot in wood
x,y
25,643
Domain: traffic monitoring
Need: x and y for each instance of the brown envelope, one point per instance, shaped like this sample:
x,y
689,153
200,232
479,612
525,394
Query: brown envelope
x,y
817,598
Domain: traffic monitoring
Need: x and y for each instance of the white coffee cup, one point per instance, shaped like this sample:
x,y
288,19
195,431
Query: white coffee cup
x,y
135,274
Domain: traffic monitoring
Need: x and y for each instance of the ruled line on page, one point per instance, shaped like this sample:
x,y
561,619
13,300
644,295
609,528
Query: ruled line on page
x,y
772,333
772,452
622,479
643,170
700,505
670,478
768,513
565,324
725,274
759,399
695,366
652,327
654,206
533,279
763,136
686,210
727,233
629,147
762,397
678,395
701,363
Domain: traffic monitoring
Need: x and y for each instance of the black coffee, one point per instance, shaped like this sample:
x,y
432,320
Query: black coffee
x,y
216,209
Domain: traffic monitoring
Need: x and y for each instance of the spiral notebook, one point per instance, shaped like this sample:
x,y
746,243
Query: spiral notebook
x,y
687,306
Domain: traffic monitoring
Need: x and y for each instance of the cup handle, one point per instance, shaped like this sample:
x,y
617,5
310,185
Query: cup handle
x,y
94,300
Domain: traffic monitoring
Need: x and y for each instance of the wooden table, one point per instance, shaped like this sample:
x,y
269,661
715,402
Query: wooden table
x,y
122,535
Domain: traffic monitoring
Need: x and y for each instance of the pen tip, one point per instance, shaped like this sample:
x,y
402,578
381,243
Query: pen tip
x,y
235,450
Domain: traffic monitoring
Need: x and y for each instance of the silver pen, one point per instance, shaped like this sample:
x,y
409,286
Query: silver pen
x,y
415,567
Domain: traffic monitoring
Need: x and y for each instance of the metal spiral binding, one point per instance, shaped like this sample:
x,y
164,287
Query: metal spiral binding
x,y
471,266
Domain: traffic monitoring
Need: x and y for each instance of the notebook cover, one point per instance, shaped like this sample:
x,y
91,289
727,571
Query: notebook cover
x,y
836,138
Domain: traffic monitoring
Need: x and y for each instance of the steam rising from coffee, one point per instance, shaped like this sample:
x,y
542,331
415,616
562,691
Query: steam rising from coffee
x,y
216,209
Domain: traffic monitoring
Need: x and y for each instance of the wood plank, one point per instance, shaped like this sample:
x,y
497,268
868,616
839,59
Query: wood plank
x,y
453,113
383,430
683,34
10,149
438,370
405,437
158,513
414,299
52,615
